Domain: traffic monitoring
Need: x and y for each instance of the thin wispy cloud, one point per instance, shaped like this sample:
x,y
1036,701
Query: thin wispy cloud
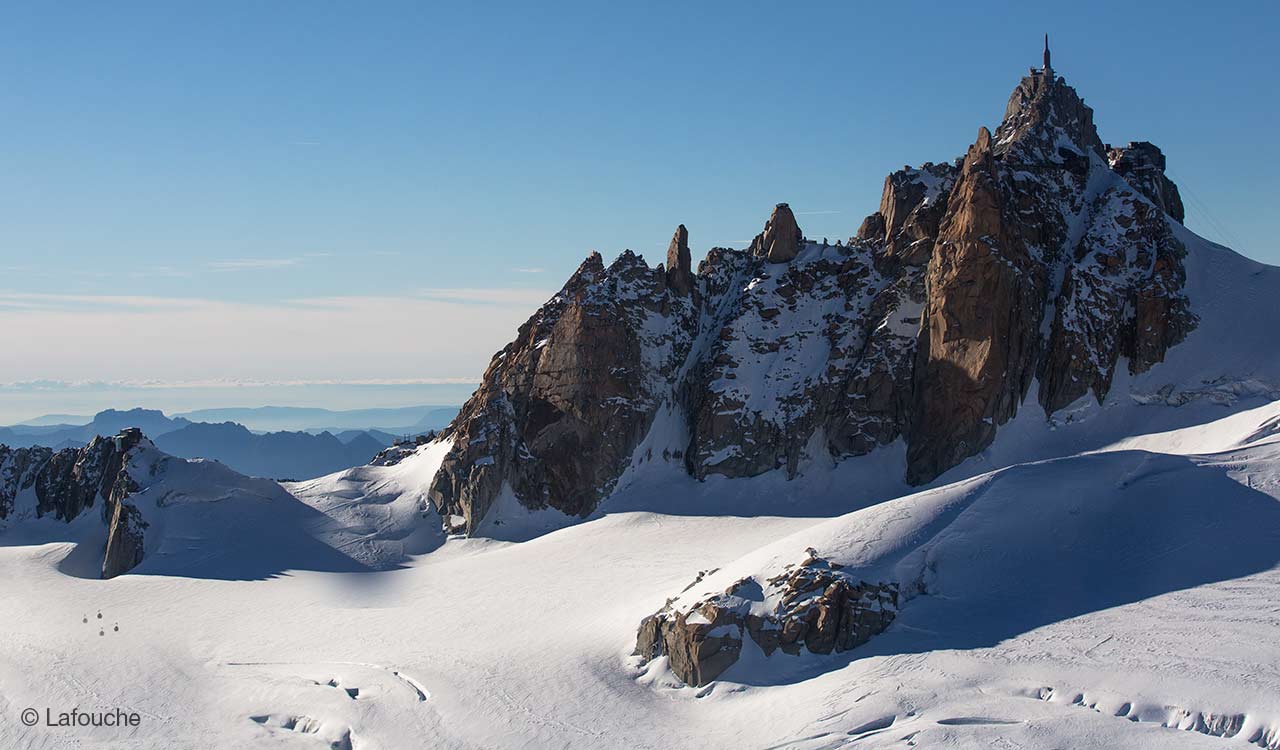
x,y
406,339
206,383
495,296
304,143
161,272
817,213
529,270
252,264
71,302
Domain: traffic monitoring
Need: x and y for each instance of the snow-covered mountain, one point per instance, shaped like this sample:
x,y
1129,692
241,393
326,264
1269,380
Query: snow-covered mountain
x,y
129,507
1041,270
1002,470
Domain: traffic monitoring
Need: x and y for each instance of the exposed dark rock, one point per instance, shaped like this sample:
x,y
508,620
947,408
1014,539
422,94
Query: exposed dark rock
x,y
1142,165
19,471
562,407
125,529
813,607
781,238
977,350
912,206
1006,241
871,229
67,483
1028,259
679,273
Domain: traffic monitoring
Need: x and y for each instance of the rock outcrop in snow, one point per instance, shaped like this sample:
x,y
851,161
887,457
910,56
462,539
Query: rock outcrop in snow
x,y
813,606
1031,260
980,560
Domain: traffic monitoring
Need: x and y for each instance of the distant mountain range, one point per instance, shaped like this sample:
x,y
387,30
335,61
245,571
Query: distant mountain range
x,y
313,442
273,418
109,422
279,455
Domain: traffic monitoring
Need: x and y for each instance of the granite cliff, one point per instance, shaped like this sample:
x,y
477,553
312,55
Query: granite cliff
x,y
1032,267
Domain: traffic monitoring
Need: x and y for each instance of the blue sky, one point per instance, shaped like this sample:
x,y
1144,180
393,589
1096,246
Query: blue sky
x,y
172,171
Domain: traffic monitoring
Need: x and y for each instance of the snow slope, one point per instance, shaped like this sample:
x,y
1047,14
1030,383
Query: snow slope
x,y
379,513
1105,579
1057,595
202,519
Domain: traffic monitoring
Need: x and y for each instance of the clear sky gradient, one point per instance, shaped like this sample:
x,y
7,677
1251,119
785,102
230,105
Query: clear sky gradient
x,y
312,191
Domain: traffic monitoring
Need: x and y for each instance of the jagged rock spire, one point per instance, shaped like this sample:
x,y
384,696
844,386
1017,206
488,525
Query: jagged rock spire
x,y
931,323
780,241
679,272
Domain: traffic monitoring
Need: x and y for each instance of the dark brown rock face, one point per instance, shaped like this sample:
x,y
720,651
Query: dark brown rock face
x,y
913,205
1142,165
73,478
1031,259
19,470
563,406
679,268
977,351
813,607
67,483
125,529
1038,226
780,241
1039,106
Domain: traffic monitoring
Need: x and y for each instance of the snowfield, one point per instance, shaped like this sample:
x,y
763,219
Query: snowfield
x,y
1109,578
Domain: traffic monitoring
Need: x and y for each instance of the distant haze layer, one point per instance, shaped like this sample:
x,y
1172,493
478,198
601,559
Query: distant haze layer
x,y
23,402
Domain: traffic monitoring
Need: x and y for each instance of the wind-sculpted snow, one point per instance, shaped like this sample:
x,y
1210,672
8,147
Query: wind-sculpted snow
x,y
1139,575
379,514
986,559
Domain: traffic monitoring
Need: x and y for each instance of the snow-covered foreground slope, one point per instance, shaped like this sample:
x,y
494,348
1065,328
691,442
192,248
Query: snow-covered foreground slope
x,y
1078,602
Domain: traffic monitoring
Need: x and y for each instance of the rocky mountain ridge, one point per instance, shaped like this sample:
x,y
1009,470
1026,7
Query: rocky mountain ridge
x,y
135,490
1039,258
67,484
